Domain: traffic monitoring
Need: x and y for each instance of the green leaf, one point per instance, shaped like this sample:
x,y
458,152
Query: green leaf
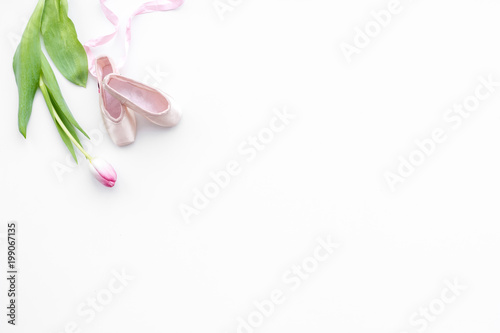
x,y
65,139
69,126
65,120
55,111
61,42
64,6
58,100
27,67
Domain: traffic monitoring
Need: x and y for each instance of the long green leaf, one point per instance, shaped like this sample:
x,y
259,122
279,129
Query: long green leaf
x,y
51,82
65,139
64,6
53,109
65,120
62,44
27,67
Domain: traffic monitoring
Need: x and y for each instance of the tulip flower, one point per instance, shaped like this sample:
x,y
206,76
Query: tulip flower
x,y
103,171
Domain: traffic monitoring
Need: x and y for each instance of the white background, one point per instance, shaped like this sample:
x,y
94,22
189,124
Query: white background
x,y
322,176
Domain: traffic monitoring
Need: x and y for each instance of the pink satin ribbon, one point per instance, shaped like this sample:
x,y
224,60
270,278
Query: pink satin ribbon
x,y
148,7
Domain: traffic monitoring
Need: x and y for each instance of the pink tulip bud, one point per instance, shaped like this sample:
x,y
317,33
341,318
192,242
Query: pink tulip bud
x,y
103,172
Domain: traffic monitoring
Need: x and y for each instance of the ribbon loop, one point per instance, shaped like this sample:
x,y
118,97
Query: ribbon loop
x,y
148,7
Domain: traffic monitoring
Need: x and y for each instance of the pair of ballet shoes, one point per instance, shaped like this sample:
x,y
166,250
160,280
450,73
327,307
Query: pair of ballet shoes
x,y
121,97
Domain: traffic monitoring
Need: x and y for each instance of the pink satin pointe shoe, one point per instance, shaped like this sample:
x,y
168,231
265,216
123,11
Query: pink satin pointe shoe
x,y
118,119
153,104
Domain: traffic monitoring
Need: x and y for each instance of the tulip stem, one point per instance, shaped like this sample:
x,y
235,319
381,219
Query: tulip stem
x,y
52,110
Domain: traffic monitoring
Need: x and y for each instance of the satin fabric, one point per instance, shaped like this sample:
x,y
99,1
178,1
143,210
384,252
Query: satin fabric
x,y
118,119
157,106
